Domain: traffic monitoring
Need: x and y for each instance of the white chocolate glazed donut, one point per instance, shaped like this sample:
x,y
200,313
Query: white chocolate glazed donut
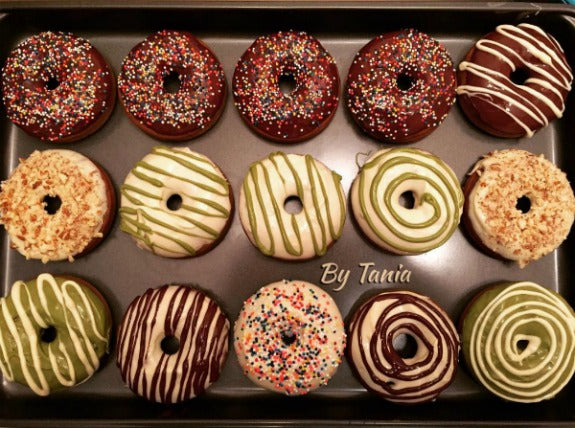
x,y
418,378
274,231
192,228
77,225
289,337
493,190
174,313
518,339
375,199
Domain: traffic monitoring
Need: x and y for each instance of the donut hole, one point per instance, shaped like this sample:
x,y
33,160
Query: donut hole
x,y
288,337
293,205
405,345
287,83
174,202
407,200
170,345
522,345
52,83
51,204
523,204
405,81
172,82
48,334
519,75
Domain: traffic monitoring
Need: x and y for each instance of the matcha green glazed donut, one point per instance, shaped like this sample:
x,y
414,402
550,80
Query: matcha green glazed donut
x,y
518,339
53,332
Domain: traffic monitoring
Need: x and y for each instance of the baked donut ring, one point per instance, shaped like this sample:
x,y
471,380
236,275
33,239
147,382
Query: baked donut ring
x,y
514,81
57,205
306,110
270,184
518,340
58,87
518,206
381,368
53,332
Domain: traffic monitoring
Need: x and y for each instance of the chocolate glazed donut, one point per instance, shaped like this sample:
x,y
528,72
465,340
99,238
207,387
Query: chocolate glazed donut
x,y
514,81
408,379
172,343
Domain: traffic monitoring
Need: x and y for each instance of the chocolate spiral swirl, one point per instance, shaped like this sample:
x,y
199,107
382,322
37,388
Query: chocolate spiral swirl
x,y
414,379
184,315
519,341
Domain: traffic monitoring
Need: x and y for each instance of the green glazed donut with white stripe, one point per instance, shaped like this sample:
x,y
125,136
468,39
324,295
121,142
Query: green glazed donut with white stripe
x,y
376,196
518,339
53,332
275,231
176,203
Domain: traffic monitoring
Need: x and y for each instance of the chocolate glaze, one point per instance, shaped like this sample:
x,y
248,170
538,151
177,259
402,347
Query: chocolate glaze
x,y
388,374
377,99
201,329
494,114
77,107
200,99
293,117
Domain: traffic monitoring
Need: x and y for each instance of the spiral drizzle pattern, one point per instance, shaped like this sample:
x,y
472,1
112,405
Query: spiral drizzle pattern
x,y
376,193
519,341
380,320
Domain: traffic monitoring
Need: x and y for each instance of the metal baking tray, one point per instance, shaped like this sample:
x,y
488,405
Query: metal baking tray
x,y
235,269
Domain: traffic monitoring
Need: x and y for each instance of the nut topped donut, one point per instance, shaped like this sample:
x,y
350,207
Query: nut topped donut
x,y
514,81
518,206
57,205
286,117
57,87
172,86
400,374
172,343
269,187
289,337
401,86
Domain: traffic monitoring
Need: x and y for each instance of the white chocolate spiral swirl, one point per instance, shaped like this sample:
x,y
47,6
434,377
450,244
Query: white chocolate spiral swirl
x,y
519,341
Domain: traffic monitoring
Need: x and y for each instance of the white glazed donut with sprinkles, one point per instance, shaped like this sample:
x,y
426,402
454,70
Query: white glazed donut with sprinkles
x,y
299,114
172,86
57,87
289,337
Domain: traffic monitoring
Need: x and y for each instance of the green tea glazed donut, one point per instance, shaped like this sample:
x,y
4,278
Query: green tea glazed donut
x,y
518,339
53,332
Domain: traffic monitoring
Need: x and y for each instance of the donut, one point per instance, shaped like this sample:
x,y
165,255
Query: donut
x,y
401,86
376,198
270,185
514,81
289,337
172,86
57,205
291,116
418,376
172,343
176,203
57,87
54,330
518,341
518,206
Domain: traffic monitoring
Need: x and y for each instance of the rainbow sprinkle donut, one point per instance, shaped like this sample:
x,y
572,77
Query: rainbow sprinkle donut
x,y
289,337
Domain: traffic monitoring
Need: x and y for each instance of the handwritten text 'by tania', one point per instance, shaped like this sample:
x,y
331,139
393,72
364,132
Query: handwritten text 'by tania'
x,y
370,274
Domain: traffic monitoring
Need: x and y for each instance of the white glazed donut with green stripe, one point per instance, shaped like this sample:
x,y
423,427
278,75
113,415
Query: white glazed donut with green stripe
x,y
176,203
279,233
376,200
53,332
518,339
